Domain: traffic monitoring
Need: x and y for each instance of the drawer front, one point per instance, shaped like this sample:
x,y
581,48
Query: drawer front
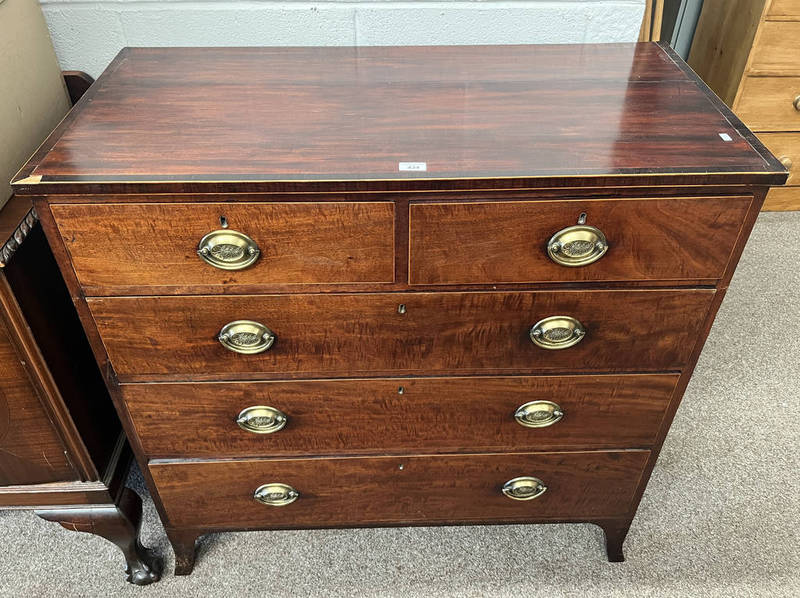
x,y
115,247
786,147
357,491
784,8
776,48
782,199
506,242
768,103
398,415
351,334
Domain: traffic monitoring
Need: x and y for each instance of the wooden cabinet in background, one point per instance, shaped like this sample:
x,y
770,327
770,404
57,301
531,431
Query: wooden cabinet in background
x,y
747,51
62,450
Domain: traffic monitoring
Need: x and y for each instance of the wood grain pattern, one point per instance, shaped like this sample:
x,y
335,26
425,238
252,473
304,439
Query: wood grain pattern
x,y
505,242
785,146
328,417
766,103
339,114
31,452
155,244
775,50
722,42
784,8
152,338
377,490
781,199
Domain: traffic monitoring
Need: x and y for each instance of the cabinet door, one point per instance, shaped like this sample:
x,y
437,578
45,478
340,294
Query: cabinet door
x,y
31,451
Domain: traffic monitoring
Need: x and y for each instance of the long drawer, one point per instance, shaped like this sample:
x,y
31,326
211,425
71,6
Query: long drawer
x,y
784,8
775,48
118,246
374,490
506,242
768,103
430,415
342,335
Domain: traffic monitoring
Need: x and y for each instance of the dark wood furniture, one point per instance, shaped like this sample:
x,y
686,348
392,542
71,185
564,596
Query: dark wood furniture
x,y
335,286
62,450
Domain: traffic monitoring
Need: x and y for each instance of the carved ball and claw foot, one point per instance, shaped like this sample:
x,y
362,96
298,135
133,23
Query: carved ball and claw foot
x,y
615,536
118,523
183,543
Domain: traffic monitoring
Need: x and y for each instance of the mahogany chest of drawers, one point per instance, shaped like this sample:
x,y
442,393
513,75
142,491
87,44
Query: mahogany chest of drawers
x,y
398,286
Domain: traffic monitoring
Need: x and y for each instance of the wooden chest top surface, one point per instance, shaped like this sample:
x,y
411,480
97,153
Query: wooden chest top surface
x,y
339,115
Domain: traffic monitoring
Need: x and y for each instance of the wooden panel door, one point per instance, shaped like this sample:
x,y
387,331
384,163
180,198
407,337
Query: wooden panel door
x,y
31,452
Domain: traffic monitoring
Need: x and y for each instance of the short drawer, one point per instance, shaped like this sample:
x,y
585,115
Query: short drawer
x,y
428,415
338,335
770,103
786,147
122,248
431,489
775,48
507,242
784,8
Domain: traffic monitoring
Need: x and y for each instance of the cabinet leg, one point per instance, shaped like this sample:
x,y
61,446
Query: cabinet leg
x,y
183,543
615,535
118,523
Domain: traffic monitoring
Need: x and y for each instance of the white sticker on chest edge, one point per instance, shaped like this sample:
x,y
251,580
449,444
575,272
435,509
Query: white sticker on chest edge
x,y
418,166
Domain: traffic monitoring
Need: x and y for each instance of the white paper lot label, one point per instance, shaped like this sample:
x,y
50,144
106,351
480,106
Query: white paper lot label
x,y
417,166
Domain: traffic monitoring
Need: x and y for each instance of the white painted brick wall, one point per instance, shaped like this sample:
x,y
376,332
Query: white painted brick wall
x,y
87,34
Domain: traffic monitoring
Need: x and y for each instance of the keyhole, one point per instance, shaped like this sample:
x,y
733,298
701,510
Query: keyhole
x,y
400,390
582,218
401,309
223,222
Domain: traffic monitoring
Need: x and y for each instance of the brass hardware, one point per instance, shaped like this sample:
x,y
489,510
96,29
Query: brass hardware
x,y
538,414
796,103
401,309
246,337
787,162
276,494
400,390
578,245
260,419
582,218
524,488
557,332
228,249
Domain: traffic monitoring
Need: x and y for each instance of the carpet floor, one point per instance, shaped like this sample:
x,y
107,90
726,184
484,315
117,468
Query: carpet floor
x,y
720,518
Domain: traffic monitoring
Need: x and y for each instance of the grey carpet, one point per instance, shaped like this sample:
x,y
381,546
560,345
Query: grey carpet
x,y
721,516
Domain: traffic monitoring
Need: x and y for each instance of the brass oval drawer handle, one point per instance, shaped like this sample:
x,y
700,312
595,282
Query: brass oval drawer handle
x,y
524,488
276,494
246,337
578,245
538,414
557,332
228,250
261,419
787,162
